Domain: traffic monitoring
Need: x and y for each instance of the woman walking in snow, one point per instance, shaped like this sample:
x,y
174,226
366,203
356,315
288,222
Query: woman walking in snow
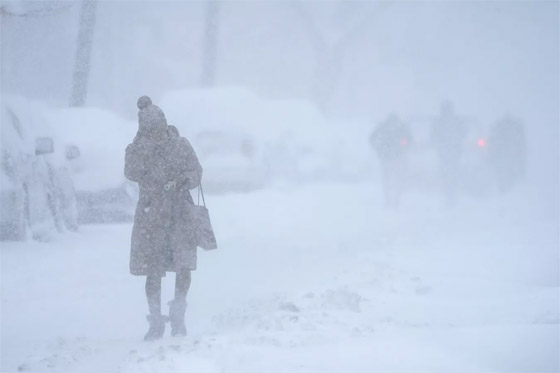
x,y
165,167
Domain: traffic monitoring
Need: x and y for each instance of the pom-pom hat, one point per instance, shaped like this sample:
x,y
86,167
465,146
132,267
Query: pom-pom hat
x,y
150,117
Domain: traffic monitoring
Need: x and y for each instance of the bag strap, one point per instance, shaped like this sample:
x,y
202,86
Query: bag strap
x,y
200,192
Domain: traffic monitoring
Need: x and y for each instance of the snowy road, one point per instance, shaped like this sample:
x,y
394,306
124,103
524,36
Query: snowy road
x,y
311,279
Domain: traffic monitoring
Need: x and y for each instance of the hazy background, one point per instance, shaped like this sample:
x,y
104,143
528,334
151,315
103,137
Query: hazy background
x,y
356,60
312,273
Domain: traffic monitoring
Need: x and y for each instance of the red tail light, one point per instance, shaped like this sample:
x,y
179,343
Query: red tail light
x,y
404,141
481,142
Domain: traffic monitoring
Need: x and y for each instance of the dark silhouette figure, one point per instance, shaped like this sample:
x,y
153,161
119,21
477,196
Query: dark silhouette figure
x,y
391,140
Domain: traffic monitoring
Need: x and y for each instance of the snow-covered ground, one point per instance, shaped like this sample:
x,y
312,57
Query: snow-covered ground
x,y
317,278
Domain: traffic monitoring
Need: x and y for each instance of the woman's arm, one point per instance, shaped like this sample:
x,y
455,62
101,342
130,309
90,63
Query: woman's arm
x,y
186,169
133,163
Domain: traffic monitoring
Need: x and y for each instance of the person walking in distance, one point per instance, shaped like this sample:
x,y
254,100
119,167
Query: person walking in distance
x,y
391,141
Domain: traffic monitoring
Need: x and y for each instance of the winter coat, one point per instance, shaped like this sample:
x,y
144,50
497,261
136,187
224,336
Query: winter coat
x,y
390,139
166,168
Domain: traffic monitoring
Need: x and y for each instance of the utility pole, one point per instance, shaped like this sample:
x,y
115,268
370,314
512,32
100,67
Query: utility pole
x,y
210,44
83,53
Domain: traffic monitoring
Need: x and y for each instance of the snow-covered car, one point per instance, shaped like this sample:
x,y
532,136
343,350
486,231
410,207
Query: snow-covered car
x,y
100,137
217,123
246,142
229,161
36,192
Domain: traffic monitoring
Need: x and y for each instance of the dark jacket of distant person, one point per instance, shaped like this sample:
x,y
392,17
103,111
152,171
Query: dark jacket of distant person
x,y
390,139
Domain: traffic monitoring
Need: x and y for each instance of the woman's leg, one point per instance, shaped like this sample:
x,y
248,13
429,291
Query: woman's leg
x,y
178,305
182,284
156,320
153,294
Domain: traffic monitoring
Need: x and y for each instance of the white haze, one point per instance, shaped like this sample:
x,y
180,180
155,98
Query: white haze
x,y
490,58
359,275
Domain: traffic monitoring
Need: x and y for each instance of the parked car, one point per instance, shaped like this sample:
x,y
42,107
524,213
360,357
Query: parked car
x,y
247,142
95,141
230,161
36,192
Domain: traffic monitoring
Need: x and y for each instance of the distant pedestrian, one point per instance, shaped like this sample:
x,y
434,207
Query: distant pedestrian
x,y
391,140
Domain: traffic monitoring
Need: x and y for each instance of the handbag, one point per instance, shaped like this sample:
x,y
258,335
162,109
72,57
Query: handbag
x,y
204,234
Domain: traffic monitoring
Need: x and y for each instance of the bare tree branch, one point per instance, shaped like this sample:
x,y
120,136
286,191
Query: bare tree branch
x,y
310,25
330,53
318,39
362,20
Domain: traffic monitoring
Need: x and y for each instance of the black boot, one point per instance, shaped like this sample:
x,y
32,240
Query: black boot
x,y
177,317
157,327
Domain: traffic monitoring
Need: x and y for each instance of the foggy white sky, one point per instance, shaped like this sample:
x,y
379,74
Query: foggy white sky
x,y
489,57
404,56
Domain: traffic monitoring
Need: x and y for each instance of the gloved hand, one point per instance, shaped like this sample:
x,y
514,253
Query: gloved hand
x,y
170,185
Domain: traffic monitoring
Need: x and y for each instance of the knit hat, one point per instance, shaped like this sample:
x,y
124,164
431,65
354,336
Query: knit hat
x,y
150,117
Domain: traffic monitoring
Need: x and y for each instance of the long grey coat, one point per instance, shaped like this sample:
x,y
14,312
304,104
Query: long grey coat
x,y
162,236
